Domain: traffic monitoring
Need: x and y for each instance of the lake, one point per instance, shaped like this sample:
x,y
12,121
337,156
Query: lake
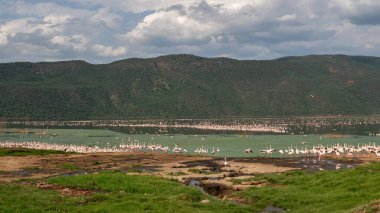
x,y
230,145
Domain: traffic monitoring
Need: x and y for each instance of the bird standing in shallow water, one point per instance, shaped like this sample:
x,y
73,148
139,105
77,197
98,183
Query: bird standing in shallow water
x,y
249,150
225,162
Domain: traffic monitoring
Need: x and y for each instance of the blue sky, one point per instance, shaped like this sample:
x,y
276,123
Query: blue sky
x,y
101,31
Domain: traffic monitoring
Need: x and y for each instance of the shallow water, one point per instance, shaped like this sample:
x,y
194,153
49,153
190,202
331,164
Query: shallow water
x,y
230,145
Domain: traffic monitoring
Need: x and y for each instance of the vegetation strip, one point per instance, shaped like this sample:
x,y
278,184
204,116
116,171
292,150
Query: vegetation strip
x,y
325,191
348,190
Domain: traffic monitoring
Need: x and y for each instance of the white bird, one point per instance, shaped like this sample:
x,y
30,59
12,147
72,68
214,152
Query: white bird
x,y
225,162
249,150
337,167
291,150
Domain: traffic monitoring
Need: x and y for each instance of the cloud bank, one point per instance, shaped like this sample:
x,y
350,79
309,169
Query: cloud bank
x,y
103,31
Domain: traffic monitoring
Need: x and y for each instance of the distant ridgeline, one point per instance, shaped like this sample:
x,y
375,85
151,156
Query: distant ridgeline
x,y
187,86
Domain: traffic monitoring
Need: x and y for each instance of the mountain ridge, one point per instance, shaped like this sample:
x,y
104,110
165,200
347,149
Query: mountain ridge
x,y
186,85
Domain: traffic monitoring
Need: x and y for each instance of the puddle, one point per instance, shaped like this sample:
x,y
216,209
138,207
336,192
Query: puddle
x,y
147,169
209,188
197,184
305,163
315,164
24,173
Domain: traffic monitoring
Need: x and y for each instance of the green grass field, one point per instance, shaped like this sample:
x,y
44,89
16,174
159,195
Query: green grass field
x,y
325,191
349,190
113,192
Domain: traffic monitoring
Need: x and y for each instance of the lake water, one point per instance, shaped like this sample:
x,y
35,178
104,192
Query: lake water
x,y
230,145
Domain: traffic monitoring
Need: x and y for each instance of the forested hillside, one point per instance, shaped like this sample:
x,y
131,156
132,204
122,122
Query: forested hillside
x,y
187,86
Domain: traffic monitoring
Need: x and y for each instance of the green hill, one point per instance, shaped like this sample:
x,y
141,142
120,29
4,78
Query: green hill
x,y
179,86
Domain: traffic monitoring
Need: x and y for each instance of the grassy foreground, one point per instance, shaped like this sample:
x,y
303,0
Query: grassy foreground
x,y
349,190
111,192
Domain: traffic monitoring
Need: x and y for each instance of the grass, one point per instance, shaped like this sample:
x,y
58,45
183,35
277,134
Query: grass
x,y
25,152
69,166
134,170
31,168
17,198
177,173
210,172
140,193
113,192
96,163
327,191
136,165
349,190
3,172
193,170
372,207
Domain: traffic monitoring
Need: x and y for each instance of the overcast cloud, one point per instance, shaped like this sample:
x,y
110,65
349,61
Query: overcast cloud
x,y
101,31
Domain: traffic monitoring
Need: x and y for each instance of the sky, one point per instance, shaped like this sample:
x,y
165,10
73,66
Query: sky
x,y
102,31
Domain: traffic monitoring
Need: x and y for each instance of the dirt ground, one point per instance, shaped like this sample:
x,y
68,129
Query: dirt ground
x,y
14,167
210,173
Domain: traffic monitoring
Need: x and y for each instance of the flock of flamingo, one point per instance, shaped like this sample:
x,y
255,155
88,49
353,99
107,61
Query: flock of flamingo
x,y
322,150
319,151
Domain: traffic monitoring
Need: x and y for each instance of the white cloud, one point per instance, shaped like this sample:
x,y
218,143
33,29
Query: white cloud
x,y
107,51
287,17
23,25
102,31
135,6
75,42
171,27
26,8
257,21
3,38
53,20
103,16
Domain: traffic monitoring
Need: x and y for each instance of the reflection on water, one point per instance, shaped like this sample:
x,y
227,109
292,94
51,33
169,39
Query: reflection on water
x,y
315,164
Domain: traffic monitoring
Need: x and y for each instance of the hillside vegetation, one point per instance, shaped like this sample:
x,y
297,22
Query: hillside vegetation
x,y
179,86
